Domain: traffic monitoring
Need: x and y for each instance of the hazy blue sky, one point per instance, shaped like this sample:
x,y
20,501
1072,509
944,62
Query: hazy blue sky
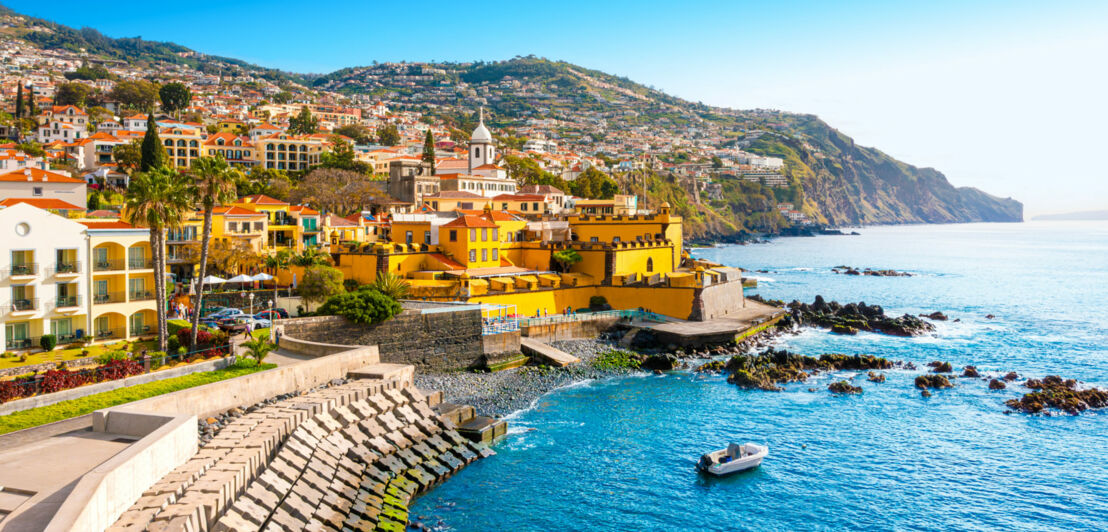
x,y
1007,96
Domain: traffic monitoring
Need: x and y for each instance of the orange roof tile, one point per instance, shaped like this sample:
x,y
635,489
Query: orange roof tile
x,y
42,203
469,220
37,175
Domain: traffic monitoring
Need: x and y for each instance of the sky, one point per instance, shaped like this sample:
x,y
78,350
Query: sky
x,y
1006,96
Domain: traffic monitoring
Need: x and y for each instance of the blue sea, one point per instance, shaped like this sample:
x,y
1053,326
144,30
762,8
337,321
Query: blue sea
x,y
618,454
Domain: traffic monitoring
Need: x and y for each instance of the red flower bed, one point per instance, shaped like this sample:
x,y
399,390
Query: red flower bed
x,y
57,380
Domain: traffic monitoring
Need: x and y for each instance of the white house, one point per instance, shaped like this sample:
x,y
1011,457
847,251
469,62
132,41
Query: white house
x,y
39,183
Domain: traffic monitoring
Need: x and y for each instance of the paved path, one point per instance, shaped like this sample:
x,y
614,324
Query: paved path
x,y
694,332
549,354
48,470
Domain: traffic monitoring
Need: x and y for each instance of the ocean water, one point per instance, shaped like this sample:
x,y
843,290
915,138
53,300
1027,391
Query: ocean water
x,y
618,454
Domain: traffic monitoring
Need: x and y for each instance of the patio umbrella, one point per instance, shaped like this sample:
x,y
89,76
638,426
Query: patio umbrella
x,y
211,279
262,277
241,278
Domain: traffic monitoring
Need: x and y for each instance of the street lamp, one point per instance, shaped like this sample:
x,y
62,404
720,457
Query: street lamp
x,y
251,303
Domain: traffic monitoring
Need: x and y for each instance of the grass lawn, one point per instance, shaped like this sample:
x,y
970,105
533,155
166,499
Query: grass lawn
x,y
79,407
262,333
73,353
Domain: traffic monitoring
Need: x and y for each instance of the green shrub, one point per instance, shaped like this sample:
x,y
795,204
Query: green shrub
x,y
48,342
597,301
363,306
172,343
258,348
182,350
172,326
110,356
244,363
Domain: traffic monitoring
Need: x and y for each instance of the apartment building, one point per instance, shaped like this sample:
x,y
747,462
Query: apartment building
x,y
45,184
72,279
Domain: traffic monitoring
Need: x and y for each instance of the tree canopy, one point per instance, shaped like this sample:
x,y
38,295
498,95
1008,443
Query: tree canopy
x,y
175,97
320,283
139,94
303,123
594,184
336,191
153,153
72,93
367,306
388,135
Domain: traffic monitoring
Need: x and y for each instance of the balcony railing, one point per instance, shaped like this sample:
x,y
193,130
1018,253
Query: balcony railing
x,y
67,268
107,265
109,334
109,297
141,295
22,305
27,268
141,330
67,301
29,342
140,263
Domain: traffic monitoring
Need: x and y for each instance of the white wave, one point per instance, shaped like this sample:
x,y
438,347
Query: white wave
x,y
535,401
761,279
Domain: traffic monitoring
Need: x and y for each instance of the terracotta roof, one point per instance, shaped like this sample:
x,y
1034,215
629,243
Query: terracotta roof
x,y
334,220
115,224
303,209
469,220
37,175
451,263
540,189
261,199
454,194
519,197
236,211
102,213
42,203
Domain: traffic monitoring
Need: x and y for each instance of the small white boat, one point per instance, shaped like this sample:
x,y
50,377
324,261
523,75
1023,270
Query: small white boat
x,y
733,459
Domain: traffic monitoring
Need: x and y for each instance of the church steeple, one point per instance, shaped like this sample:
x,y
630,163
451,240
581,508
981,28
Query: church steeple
x,y
481,149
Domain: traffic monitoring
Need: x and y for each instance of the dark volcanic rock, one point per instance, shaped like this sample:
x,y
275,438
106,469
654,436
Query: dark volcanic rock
x,y
859,316
941,367
970,371
1011,376
664,362
875,377
1053,392
844,387
933,381
997,385
843,329
937,316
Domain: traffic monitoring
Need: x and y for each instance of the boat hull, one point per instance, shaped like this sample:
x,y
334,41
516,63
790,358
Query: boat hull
x,y
710,463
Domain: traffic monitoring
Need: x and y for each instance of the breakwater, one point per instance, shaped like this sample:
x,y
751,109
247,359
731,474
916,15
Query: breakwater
x,y
352,455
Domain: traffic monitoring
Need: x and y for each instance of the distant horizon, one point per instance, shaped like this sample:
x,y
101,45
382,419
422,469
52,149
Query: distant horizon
x,y
995,96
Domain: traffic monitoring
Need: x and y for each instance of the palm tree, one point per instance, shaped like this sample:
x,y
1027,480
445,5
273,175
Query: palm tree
x,y
215,184
312,256
275,263
391,285
258,348
158,199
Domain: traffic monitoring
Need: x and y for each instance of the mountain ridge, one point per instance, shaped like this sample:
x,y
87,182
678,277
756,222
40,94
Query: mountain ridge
x,y
831,180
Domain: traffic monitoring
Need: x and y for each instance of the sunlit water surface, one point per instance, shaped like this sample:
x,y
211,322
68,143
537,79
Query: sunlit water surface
x,y
618,454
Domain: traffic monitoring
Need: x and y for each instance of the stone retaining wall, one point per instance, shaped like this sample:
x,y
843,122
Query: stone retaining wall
x,y
349,457
570,330
717,301
434,341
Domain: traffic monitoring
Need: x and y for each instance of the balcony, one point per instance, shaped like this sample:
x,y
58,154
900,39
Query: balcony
x,y
67,268
111,334
27,269
141,330
30,342
22,305
109,297
140,263
140,295
61,302
108,265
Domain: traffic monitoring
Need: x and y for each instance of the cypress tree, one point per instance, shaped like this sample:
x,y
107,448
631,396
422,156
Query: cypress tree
x,y
31,111
19,101
153,153
429,150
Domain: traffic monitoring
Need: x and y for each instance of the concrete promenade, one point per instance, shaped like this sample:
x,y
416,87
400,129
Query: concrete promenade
x,y
753,317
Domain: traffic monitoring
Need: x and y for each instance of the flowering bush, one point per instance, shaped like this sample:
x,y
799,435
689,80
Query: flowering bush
x,y
118,369
62,379
203,338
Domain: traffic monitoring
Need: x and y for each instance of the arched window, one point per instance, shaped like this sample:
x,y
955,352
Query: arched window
x,y
650,264
180,142
477,152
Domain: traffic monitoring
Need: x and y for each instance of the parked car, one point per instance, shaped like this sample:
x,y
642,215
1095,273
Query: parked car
x,y
237,324
273,314
261,322
225,313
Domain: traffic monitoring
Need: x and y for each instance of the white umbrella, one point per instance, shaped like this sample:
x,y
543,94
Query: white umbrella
x,y
241,278
211,279
263,277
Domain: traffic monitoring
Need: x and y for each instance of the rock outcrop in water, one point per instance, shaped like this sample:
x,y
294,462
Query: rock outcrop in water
x,y
850,270
1053,392
769,369
858,316
933,381
843,387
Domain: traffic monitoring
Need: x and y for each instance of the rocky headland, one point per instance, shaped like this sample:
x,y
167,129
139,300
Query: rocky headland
x,y
853,317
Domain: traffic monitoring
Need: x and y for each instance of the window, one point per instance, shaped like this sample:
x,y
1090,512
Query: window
x,y
408,237
535,207
38,191
650,264
453,235
426,237
504,206
615,239
484,234
494,254
473,255
484,255
594,239
472,235
523,207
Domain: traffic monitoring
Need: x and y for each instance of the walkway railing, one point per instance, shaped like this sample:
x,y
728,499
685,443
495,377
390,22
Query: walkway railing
x,y
629,314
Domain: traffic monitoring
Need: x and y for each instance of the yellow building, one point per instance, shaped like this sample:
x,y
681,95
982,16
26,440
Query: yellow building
x,y
182,145
621,204
293,227
237,150
288,152
232,126
121,289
